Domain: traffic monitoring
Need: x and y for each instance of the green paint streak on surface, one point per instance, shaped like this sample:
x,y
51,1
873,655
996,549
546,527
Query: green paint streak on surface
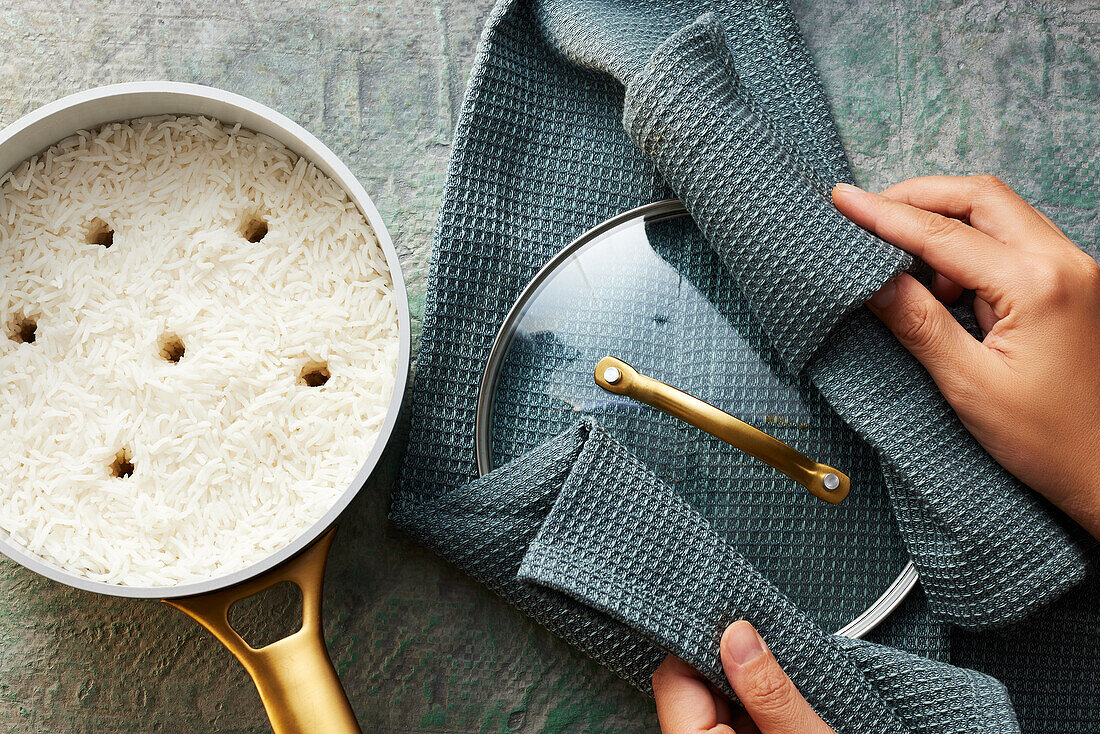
x,y
433,719
576,718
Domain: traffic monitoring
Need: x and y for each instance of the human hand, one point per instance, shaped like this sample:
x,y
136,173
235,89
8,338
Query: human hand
x,y
687,704
1029,391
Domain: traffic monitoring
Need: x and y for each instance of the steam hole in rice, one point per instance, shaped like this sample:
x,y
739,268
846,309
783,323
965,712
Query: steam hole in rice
x,y
23,330
123,465
100,233
314,374
255,229
171,348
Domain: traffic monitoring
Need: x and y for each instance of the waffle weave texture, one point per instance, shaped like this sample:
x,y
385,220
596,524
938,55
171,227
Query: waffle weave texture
x,y
689,325
577,111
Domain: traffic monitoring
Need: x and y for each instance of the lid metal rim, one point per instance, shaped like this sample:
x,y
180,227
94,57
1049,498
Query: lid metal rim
x,y
657,211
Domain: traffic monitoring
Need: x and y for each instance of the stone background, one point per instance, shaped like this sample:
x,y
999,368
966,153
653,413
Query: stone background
x,y
918,86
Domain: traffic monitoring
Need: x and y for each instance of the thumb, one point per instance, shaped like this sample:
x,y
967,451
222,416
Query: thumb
x,y
927,329
768,695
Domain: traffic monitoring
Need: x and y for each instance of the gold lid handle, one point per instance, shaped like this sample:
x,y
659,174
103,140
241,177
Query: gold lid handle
x,y
822,480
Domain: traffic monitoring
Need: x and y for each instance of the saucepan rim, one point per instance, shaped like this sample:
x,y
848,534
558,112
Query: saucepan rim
x,y
53,122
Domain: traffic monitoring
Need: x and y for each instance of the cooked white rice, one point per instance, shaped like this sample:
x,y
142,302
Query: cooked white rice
x,y
124,466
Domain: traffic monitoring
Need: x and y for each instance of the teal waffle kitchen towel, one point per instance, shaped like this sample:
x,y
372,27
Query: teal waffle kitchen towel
x,y
577,111
581,536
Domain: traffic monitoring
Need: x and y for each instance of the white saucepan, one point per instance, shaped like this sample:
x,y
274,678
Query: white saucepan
x,y
295,678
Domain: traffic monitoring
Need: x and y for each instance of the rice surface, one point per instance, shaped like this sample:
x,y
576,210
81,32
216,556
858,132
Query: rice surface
x,y
176,400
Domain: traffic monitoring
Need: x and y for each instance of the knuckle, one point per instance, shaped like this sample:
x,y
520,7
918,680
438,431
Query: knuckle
x,y
1049,282
916,325
1090,271
770,692
990,185
937,227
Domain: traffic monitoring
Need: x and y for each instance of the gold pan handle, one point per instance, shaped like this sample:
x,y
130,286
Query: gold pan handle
x,y
823,481
294,675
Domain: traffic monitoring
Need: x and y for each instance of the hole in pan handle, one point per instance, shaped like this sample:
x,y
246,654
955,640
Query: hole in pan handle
x,y
822,480
295,677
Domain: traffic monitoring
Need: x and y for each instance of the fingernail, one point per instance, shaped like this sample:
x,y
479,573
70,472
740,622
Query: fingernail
x,y
884,296
849,188
742,644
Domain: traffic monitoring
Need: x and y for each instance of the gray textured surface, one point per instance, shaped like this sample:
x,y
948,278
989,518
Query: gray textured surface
x,y
922,86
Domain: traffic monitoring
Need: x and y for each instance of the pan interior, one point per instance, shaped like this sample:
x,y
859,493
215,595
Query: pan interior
x,y
653,293
89,109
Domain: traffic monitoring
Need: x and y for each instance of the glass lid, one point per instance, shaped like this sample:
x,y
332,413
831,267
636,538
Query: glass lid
x,y
646,288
